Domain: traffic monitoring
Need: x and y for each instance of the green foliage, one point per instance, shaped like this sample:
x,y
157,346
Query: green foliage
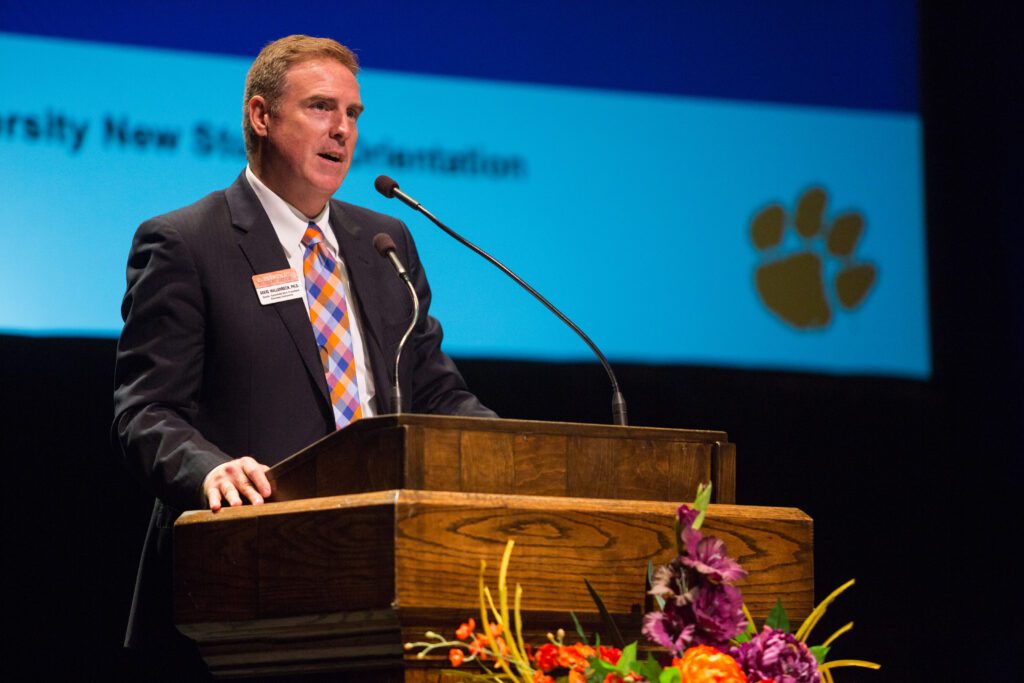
x,y
749,632
627,659
601,667
701,503
819,652
627,664
650,582
579,629
670,675
650,669
606,618
778,619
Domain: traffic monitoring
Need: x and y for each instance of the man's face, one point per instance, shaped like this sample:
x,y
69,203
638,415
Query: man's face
x,y
312,134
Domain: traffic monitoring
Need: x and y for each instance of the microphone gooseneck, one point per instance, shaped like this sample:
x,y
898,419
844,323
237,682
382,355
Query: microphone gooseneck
x,y
385,246
389,188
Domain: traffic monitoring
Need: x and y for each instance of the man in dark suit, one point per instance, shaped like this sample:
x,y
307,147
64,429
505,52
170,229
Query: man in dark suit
x,y
215,382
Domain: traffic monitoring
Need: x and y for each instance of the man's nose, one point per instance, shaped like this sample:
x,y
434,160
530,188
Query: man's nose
x,y
342,127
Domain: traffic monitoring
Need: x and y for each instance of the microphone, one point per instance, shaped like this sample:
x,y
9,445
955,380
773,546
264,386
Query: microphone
x,y
389,188
385,246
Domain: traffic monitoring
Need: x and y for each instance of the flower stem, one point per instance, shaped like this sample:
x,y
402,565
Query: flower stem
x,y
849,662
819,612
837,634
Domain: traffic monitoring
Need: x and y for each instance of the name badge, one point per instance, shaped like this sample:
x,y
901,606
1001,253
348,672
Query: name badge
x,y
281,285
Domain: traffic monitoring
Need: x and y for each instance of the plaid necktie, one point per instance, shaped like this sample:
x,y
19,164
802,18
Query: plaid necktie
x,y
328,311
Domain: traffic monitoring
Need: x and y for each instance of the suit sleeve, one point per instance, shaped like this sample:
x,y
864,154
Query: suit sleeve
x,y
437,384
159,369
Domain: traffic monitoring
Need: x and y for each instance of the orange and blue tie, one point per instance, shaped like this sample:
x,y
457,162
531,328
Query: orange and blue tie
x,y
328,312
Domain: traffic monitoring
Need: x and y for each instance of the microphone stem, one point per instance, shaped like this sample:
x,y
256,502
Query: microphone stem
x,y
395,399
619,413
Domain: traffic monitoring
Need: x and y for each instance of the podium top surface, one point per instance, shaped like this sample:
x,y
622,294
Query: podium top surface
x,y
526,457
533,427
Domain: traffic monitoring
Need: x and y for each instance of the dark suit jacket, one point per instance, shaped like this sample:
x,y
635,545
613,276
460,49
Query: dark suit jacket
x,y
205,373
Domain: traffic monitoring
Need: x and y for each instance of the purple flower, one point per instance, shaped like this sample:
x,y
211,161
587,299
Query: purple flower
x,y
718,610
674,626
696,611
779,656
700,607
707,556
669,583
687,516
669,629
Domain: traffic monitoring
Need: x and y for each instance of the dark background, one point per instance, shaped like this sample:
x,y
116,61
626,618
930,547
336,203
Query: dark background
x,y
912,485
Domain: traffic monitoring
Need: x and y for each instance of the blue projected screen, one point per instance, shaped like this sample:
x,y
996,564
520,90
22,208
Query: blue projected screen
x,y
722,189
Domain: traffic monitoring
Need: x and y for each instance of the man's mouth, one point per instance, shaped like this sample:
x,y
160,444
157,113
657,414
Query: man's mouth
x,y
330,156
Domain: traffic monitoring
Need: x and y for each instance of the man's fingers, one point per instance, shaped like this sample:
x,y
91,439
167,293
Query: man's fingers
x,y
231,495
256,474
227,483
250,480
213,497
250,492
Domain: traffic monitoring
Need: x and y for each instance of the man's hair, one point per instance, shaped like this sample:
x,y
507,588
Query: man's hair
x,y
267,74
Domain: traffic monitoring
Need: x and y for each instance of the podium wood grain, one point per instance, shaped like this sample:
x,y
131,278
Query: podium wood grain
x,y
480,455
340,582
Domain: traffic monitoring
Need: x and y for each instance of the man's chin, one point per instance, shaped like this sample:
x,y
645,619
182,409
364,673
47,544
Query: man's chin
x,y
332,182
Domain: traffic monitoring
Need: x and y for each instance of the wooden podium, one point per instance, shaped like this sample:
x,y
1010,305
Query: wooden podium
x,y
376,533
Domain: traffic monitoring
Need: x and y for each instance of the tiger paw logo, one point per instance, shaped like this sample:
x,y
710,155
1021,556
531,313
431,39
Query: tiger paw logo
x,y
807,266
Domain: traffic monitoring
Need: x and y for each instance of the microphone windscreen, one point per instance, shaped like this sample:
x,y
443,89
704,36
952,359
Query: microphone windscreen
x,y
386,186
382,241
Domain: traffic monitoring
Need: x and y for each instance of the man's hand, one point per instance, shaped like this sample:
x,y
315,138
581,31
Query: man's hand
x,y
227,483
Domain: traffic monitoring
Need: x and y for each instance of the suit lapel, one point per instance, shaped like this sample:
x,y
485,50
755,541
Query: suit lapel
x,y
259,243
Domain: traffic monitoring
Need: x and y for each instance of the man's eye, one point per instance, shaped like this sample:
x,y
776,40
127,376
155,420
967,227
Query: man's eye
x,y
353,113
320,106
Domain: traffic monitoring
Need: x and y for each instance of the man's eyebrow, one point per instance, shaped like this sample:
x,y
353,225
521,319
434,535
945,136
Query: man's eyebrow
x,y
358,106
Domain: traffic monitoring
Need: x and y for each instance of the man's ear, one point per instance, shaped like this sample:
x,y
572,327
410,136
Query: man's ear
x,y
259,115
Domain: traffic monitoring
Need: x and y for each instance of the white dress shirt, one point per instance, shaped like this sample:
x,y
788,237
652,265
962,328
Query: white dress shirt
x,y
290,225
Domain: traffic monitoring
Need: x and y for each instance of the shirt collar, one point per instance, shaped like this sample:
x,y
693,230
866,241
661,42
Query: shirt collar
x,y
289,223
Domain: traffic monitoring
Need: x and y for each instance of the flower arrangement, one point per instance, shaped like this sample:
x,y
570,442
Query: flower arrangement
x,y
701,623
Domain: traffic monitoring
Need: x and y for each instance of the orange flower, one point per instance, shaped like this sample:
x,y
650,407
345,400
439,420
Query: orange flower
x,y
455,656
584,651
541,677
704,664
466,630
476,647
546,657
575,657
609,654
